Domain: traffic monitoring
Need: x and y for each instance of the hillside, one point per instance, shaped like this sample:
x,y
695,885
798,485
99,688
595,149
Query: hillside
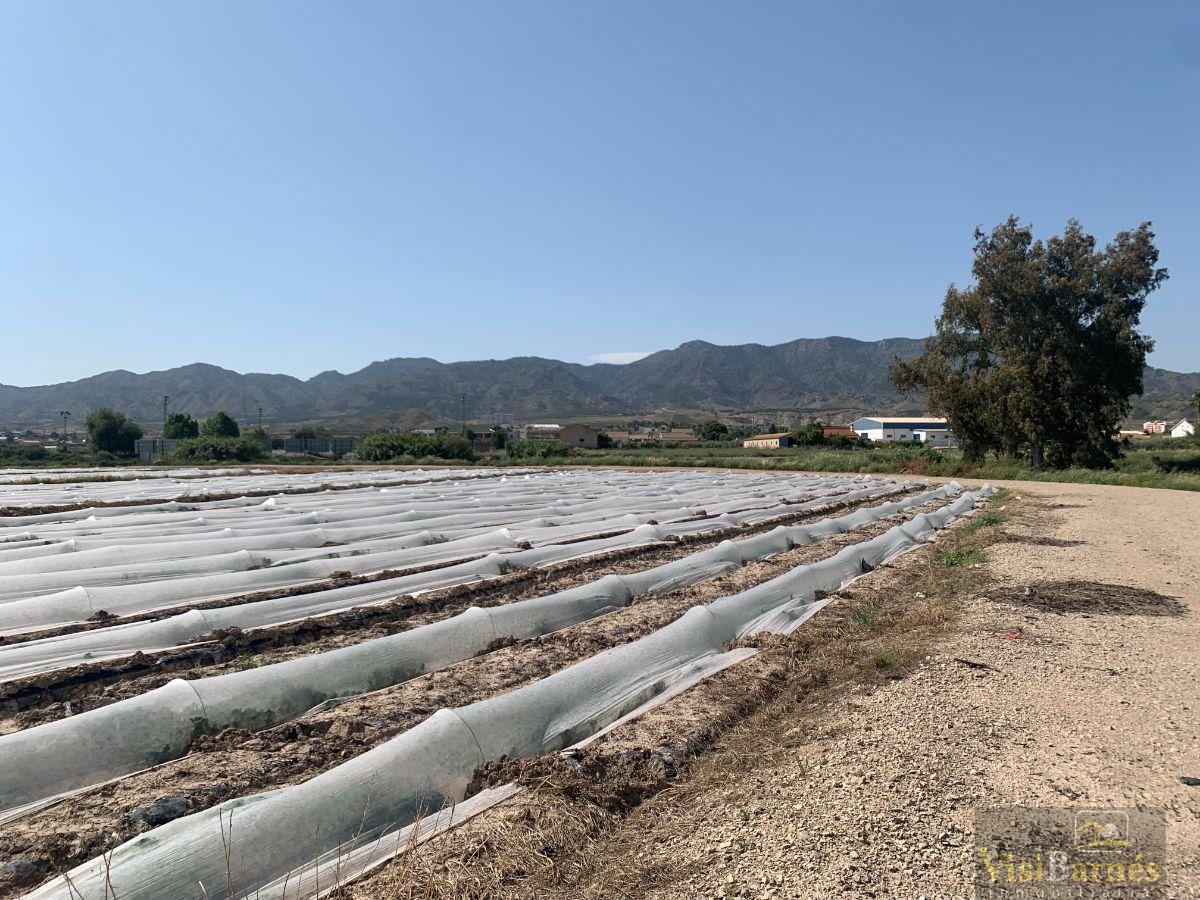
x,y
811,375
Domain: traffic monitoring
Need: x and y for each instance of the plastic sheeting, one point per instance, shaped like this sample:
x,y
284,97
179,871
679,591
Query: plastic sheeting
x,y
430,765
43,600
45,655
129,735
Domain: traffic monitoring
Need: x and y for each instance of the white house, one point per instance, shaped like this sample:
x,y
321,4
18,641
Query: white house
x,y
927,429
1183,428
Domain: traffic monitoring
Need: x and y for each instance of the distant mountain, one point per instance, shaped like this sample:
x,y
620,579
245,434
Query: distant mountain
x,y
835,376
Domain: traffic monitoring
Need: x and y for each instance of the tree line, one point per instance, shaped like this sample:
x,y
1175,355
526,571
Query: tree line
x,y
218,439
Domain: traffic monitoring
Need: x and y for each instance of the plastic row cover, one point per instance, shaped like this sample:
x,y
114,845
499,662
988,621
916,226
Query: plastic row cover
x,y
45,655
78,604
70,493
132,734
431,764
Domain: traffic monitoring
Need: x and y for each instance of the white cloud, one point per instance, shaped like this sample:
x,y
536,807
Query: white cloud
x,y
620,358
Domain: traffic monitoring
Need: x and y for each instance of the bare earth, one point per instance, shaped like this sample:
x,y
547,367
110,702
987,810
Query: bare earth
x,y
1091,697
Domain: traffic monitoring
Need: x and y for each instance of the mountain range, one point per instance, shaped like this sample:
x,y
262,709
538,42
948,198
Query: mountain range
x,y
834,378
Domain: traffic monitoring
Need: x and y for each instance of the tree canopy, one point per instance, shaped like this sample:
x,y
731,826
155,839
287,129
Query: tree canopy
x,y
221,425
1042,353
112,431
180,426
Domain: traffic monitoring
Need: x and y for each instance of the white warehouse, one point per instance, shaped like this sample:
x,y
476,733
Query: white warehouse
x,y
929,430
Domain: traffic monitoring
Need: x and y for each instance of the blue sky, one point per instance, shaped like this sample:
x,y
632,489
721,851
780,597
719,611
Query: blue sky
x,y
299,186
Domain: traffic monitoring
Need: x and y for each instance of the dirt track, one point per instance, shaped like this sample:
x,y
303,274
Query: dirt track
x,y
1071,679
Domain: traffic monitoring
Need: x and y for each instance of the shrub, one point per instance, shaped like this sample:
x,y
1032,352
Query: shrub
x,y
390,445
216,449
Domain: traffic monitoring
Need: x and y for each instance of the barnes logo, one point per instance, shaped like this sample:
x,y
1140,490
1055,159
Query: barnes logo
x,y
1051,853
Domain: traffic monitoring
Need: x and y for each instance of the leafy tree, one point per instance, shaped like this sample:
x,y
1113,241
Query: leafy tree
x,y
713,430
180,426
810,435
603,441
111,431
499,438
221,425
1042,353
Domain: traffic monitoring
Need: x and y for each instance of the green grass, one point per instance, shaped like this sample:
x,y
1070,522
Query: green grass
x,y
963,557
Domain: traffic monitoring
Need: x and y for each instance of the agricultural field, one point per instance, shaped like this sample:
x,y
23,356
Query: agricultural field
x,y
517,682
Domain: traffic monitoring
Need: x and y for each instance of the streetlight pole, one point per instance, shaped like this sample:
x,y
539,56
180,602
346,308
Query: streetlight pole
x,y
62,435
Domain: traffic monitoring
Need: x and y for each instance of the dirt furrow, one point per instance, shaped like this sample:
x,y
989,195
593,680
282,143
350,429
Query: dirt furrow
x,y
52,695
236,763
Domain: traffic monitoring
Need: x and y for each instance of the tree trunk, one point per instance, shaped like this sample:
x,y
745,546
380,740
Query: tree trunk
x,y
1036,456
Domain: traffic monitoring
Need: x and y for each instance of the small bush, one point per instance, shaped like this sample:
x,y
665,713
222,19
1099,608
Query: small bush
x,y
215,449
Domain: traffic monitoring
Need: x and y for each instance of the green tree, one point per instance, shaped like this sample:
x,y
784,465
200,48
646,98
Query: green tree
x,y
112,432
713,430
810,435
1042,353
499,438
221,425
180,426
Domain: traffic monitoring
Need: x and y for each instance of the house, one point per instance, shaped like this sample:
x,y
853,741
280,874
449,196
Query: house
x,y
783,439
938,438
1183,428
839,430
1154,427
676,434
543,431
578,435
928,429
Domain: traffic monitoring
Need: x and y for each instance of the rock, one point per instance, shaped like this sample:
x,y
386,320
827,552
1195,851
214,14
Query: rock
x,y
1190,780
20,867
161,811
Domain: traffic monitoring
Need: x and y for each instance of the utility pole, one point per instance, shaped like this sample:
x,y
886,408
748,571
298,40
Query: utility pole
x,y
166,403
462,399
62,435
260,418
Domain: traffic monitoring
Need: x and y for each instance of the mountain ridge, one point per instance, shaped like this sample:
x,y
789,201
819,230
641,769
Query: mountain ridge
x,y
803,376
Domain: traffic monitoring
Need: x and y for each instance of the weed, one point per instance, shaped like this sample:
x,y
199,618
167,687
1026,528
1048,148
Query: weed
x,y
961,557
986,519
863,616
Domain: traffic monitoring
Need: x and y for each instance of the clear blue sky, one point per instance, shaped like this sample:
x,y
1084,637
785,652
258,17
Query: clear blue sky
x,y
298,186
